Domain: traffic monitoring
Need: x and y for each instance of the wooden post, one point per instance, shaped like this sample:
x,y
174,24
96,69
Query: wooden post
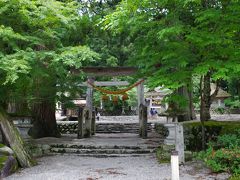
x,y
140,119
143,121
142,110
80,123
140,94
89,105
93,123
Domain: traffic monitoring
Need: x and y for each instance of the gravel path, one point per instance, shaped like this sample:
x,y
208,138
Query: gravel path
x,y
72,167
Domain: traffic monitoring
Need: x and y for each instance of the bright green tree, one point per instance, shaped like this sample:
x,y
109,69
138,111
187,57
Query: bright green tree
x,y
174,40
39,46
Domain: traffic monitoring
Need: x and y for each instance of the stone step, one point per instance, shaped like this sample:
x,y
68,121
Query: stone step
x,y
114,132
74,146
103,155
69,127
101,151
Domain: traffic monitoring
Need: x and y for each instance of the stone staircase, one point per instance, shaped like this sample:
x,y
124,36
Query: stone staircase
x,y
120,127
100,145
101,151
112,139
70,127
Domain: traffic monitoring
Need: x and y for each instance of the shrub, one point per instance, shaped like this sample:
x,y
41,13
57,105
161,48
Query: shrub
x,y
227,160
235,177
224,154
233,102
163,153
193,133
162,130
229,140
220,110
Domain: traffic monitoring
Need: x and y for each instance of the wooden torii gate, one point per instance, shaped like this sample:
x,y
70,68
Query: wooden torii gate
x,y
87,115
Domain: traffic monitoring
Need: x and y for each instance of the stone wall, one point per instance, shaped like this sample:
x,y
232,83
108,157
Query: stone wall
x,y
70,127
119,119
67,127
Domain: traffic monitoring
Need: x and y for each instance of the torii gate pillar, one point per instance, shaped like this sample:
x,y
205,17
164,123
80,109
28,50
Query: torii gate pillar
x,y
140,93
89,105
142,110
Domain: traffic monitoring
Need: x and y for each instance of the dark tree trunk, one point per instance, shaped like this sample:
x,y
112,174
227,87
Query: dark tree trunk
x,y
206,101
44,107
203,136
190,96
205,97
44,120
191,106
185,112
238,88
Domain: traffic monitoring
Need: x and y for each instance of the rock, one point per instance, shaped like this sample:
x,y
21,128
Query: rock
x,y
45,147
168,148
188,155
8,165
6,151
223,176
36,151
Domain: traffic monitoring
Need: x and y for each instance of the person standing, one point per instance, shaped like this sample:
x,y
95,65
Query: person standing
x,y
98,116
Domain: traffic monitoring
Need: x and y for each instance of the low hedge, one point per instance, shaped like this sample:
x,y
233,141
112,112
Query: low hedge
x,y
193,132
224,154
161,130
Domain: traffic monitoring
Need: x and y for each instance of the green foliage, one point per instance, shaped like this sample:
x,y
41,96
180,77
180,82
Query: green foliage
x,y
233,102
38,46
179,101
174,40
132,101
162,130
213,129
3,159
220,110
163,153
235,177
224,155
229,140
113,49
110,106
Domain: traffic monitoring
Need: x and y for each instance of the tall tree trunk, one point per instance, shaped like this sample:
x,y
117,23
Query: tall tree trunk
x,y
205,97
238,88
191,106
190,96
43,110
185,114
44,120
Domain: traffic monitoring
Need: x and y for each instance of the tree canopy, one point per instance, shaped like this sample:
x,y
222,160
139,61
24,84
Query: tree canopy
x,y
38,39
174,40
